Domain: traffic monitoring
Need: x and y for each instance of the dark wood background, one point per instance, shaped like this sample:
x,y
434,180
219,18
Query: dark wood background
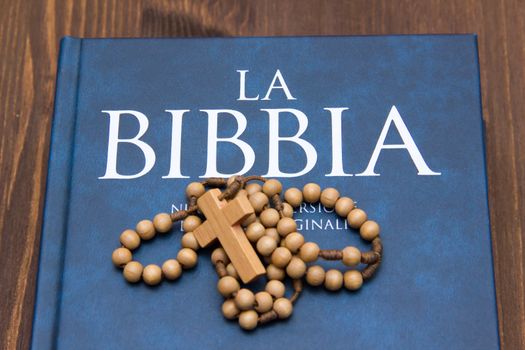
x,y
29,38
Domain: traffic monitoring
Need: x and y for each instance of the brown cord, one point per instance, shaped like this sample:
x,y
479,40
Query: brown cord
x,y
277,202
377,246
215,182
232,189
183,214
370,257
331,254
254,177
369,271
220,268
192,209
268,317
298,288
179,215
193,201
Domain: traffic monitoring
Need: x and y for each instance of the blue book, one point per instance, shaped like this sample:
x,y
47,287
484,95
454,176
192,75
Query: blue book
x,y
394,122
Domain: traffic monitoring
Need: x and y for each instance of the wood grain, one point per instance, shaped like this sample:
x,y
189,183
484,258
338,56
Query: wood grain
x,y
223,223
29,36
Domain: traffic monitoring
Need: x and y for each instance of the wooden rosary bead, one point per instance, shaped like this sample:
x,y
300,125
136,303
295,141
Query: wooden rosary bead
x,y
162,222
259,201
283,307
248,320
329,197
287,210
294,241
263,302
152,274
145,229
266,245
275,273
271,187
286,226
244,299
353,280
133,271
242,193
275,288
230,310
130,239
227,285
249,220
253,188
369,230
187,258
351,256
333,280
254,231
272,232
232,271
356,218
269,217
281,256
311,193
231,180
293,196
171,269
219,254
188,240
343,206
191,223
121,256
195,189
315,275
296,268
309,252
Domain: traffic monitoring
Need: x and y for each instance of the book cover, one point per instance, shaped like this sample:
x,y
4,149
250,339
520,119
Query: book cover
x,y
394,122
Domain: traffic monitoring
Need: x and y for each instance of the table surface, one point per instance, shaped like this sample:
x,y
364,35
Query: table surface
x,y
29,38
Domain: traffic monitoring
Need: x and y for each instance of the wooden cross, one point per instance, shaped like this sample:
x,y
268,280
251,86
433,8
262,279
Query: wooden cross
x,y
223,222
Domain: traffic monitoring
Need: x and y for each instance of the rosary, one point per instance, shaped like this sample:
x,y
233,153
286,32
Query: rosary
x,y
257,236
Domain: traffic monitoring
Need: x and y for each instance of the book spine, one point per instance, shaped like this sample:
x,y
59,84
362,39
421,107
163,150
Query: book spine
x,y
52,242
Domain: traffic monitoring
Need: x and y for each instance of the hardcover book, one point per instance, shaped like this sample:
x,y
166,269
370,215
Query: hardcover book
x,y
394,122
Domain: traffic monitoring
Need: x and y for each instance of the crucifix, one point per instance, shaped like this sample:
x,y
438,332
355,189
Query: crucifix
x,y
223,223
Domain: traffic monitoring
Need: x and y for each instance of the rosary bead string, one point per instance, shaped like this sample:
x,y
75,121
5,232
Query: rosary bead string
x,y
153,274
273,233
254,177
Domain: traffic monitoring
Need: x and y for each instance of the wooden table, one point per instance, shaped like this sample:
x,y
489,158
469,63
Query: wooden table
x,y
29,37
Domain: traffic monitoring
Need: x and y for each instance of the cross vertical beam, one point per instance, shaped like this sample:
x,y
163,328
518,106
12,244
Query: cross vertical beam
x,y
223,223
